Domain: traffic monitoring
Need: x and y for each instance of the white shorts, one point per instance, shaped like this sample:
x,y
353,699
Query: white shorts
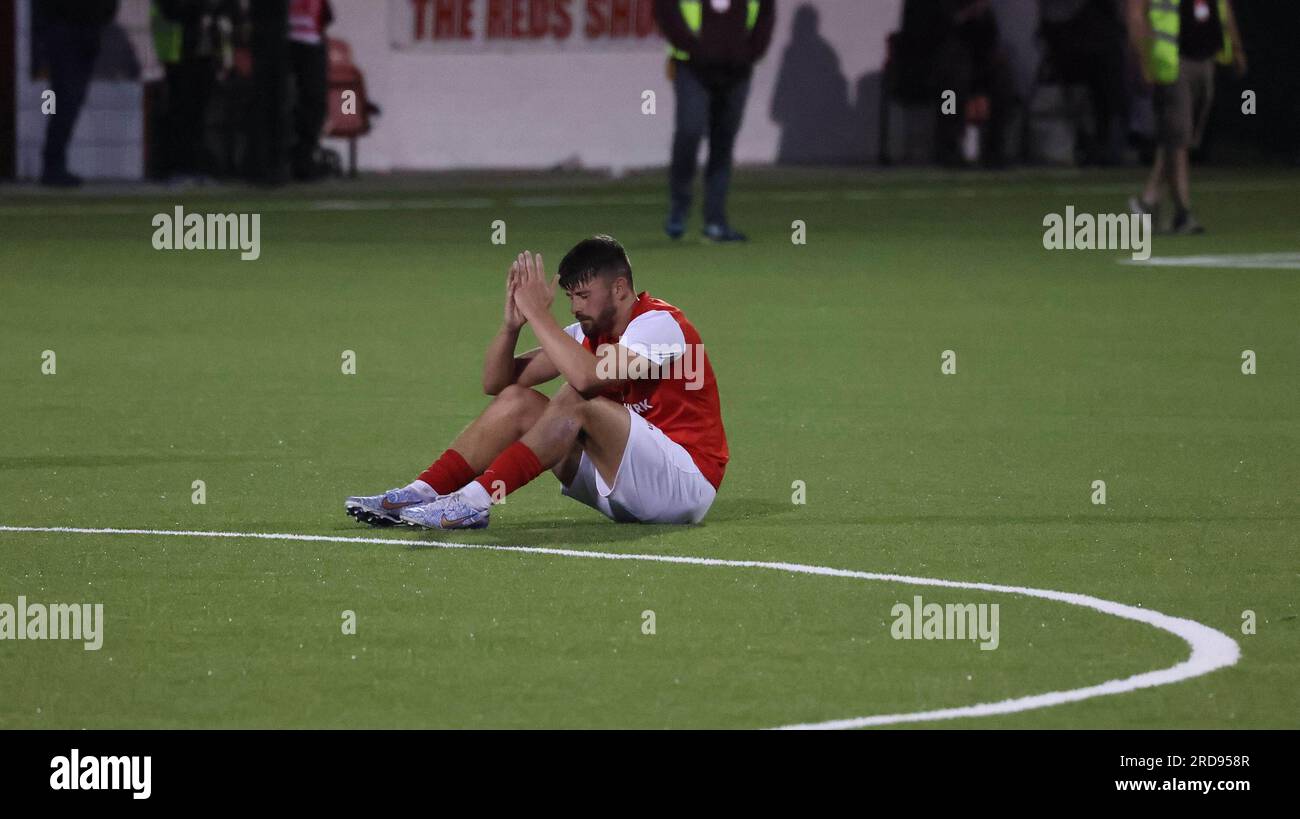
x,y
656,482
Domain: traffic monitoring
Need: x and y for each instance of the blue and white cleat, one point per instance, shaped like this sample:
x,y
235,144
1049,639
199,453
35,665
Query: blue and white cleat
x,y
448,512
381,510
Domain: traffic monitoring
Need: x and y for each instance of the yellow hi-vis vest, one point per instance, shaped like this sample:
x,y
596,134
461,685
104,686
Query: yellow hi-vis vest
x,y
1164,45
693,13
166,35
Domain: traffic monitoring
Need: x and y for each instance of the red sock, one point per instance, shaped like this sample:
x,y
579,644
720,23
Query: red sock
x,y
514,467
449,473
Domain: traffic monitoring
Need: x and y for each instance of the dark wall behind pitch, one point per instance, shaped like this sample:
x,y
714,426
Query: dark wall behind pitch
x,y
1270,30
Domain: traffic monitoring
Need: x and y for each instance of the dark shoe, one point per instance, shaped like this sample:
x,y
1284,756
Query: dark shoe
x,y
60,179
675,226
1185,224
723,233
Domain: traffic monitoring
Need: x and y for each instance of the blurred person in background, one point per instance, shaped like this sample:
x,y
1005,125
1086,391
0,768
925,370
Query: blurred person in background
x,y
266,162
713,46
1087,43
1177,43
192,40
68,37
308,65
971,62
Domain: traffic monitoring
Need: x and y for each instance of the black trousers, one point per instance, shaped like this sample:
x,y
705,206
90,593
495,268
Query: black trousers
x,y
1092,49
268,108
705,105
308,65
71,51
189,88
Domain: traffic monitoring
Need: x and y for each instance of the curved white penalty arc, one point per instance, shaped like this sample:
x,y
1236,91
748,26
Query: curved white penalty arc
x,y
1210,649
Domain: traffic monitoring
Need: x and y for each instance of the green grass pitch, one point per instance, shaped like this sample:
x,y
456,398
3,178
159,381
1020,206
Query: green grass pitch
x,y
181,366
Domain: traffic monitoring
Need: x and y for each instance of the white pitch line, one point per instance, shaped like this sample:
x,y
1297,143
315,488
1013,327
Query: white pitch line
x,y
1211,649
1252,261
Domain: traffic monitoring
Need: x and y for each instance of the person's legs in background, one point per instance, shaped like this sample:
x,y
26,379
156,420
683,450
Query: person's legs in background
x,y
725,113
1200,82
1110,107
266,129
1181,111
189,88
1095,45
308,64
1107,85
71,51
689,123
1170,169
1150,198
170,128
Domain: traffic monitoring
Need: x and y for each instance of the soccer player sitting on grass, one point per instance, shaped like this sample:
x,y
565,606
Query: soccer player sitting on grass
x,y
635,432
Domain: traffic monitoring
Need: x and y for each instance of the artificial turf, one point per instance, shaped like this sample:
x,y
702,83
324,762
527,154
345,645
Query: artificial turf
x,y
177,366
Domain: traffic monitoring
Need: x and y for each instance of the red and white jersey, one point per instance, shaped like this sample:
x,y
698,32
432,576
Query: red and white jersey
x,y
683,403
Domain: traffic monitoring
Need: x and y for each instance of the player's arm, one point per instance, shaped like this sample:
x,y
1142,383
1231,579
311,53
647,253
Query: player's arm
x,y
1140,34
533,297
501,367
612,365
534,367
572,360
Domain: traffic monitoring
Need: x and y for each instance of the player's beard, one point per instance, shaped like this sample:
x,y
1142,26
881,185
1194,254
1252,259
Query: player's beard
x,y
601,324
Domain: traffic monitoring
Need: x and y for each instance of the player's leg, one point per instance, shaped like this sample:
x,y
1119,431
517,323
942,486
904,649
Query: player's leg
x,y
653,479
567,467
599,426
511,413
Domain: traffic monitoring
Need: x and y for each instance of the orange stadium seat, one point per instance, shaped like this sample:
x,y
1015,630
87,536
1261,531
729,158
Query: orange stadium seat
x,y
344,76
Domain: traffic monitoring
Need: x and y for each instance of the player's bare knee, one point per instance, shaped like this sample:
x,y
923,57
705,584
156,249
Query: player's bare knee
x,y
559,423
566,409
567,396
520,404
516,397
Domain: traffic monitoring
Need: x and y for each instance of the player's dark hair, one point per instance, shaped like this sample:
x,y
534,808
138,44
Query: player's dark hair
x,y
598,256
